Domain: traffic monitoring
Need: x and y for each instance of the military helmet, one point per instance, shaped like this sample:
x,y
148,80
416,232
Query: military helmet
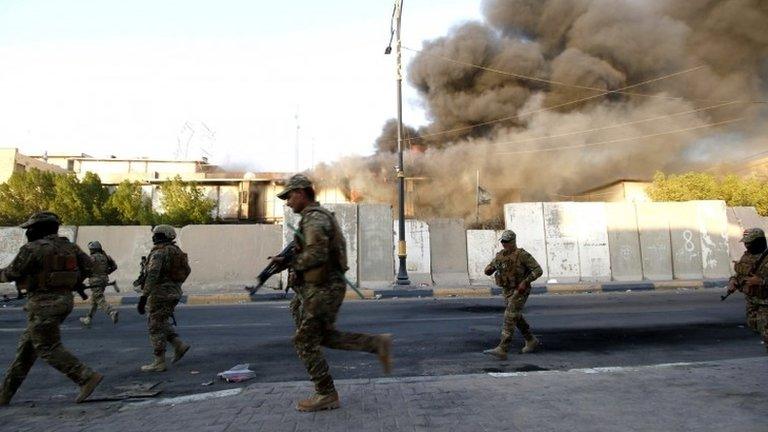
x,y
41,217
94,245
752,234
165,230
508,236
297,181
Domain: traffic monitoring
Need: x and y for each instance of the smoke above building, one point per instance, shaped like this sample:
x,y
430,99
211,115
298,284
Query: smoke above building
x,y
550,97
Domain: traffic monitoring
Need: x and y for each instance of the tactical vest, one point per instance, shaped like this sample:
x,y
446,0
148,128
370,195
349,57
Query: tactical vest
x,y
59,267
743,267
337,259
509,272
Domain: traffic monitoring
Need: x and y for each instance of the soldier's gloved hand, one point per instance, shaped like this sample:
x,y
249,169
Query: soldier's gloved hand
x,y
142,306
732,287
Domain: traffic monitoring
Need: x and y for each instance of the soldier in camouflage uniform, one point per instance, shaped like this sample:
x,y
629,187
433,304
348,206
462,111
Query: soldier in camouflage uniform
x,y
755,287
167,268
50,267
515,269
317,277
103,265
755,244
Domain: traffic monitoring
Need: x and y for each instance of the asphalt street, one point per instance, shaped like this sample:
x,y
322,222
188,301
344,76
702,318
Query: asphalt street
x,y
433,337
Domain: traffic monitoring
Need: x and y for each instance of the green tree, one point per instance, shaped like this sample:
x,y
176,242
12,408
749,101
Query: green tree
x,y
130,206
81,202
184,203
734,190
26,192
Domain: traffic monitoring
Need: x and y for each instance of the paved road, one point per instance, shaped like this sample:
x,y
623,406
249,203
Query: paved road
x,y
432,336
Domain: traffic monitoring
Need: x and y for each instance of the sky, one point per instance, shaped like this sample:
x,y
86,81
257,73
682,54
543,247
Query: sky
x,y
223,79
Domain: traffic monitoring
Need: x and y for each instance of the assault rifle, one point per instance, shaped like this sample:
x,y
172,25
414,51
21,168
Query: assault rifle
x,y
350,284
138,284
288,254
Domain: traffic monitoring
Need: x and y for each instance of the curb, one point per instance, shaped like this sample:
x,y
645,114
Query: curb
x,y
420,292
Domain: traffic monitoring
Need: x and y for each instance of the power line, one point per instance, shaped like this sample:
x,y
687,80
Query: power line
x,y
571,147
634,122
572,102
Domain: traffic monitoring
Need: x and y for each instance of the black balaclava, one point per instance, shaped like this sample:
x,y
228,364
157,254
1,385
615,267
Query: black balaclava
x,y
756,246
41,229
159,238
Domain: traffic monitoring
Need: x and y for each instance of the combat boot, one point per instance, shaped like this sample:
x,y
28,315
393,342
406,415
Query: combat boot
x,y
530,345
179,349
383,351
114,315
89,386
86,321
156,366
498,352
319,402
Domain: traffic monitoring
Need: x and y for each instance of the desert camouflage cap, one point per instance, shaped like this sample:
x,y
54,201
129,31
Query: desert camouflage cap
x,y
297,181
166,230
41,217
752,234
508,236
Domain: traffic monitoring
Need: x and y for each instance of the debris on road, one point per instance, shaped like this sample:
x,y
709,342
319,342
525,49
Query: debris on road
x,y
238,373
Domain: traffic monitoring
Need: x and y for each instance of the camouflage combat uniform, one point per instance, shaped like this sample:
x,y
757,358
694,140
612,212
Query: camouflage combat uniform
x,y
103,265
510,269
742,269
163,294
759,295
50,268
320,288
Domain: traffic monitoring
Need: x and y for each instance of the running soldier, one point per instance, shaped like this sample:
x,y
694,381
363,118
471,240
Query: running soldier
x,y
515,269
50,267
167,268
317,277
103,266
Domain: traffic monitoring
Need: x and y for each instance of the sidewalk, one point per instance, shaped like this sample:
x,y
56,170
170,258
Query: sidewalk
x,y
721,396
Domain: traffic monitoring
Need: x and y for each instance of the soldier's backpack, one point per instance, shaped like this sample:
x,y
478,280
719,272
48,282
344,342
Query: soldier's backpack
x,y
180,269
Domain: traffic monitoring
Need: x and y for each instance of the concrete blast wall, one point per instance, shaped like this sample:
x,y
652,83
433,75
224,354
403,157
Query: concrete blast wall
x,y
713,225
482,246
592,235
226,257
375,237
419,262
655,243
448,238
624,242
684,237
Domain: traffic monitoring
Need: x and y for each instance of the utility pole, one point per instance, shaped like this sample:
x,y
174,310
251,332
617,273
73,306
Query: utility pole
x,y
402,271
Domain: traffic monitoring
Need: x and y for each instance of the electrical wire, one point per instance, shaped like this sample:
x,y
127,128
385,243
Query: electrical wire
x,y
618,140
